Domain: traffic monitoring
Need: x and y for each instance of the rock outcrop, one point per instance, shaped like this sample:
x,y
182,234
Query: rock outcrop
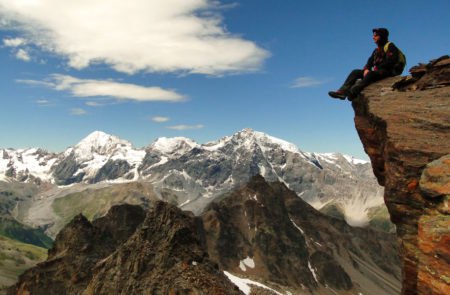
x,y
404,125
266,232
128,252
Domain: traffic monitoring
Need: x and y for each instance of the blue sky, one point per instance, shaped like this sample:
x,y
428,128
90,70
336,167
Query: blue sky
x,y
201,69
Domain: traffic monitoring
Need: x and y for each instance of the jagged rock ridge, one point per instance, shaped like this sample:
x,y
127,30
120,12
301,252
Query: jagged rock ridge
x,y
404,124
289,243
128,252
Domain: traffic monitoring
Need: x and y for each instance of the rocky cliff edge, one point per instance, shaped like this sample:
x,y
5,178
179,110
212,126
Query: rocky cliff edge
x,y
404,125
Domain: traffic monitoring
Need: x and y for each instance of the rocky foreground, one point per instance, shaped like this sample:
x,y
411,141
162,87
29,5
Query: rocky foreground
x,y
128,252
404,124
261,233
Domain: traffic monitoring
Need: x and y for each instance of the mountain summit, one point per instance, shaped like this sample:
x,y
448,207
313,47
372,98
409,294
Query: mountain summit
x,y
98,143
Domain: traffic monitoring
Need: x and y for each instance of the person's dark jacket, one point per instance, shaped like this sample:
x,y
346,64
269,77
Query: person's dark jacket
x,y
384,61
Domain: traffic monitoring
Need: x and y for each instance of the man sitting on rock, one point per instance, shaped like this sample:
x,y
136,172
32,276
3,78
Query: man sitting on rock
x,y
386,61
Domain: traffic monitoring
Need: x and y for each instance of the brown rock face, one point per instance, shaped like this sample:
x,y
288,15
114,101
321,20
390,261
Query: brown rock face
x,y
406,133
128,251
293,245
164,256
77,248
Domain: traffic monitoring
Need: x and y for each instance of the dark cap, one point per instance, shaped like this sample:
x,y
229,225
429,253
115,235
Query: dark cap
x,y
382,32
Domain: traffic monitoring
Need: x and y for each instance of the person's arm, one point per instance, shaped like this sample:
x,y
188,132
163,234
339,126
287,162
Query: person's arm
x,y
369,65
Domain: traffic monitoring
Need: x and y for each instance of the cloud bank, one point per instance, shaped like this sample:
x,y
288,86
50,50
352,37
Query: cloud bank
x,y
133,36
106,88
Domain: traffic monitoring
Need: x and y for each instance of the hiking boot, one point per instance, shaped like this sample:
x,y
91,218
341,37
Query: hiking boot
x,y
338,94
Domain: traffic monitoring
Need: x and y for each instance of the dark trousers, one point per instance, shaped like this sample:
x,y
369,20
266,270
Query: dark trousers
x,y
352,86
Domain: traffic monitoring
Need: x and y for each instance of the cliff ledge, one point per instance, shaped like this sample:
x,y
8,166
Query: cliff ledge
x,y
404,125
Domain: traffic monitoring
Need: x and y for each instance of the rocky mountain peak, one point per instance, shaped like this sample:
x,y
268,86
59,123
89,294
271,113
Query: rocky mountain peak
x,y
100,143
128,251
404,125
249,137
174,146
265,230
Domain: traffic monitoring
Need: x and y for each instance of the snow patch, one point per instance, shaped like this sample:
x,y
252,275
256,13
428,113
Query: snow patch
x,y
216,145
312,271
247,262
184,203
354,161
262,170
298,227
245,284
332,158
174,145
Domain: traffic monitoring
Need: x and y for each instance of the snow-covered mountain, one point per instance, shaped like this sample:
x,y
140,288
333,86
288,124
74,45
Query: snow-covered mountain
x,y
26,165
197,173
98,157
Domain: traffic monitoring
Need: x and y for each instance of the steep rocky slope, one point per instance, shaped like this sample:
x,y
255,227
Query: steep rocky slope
x,y
264,230
77,248
128,252
404,124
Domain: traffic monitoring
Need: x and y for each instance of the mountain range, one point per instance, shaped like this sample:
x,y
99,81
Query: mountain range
x,y
192,175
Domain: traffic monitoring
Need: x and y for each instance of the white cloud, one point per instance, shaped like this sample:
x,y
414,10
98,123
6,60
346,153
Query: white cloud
x,y
159,119
43,102
303,82
14,42
78,112
185,127
138,35
106,88
35,83
93,104
23,55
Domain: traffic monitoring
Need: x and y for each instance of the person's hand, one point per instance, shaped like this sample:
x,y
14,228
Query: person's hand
x,y
366,72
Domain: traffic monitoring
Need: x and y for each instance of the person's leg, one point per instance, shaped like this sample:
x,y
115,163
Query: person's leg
x,y
351,79
371,77
344,90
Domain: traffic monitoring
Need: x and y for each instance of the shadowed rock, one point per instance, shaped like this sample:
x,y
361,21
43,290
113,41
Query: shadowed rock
x,y
128,252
